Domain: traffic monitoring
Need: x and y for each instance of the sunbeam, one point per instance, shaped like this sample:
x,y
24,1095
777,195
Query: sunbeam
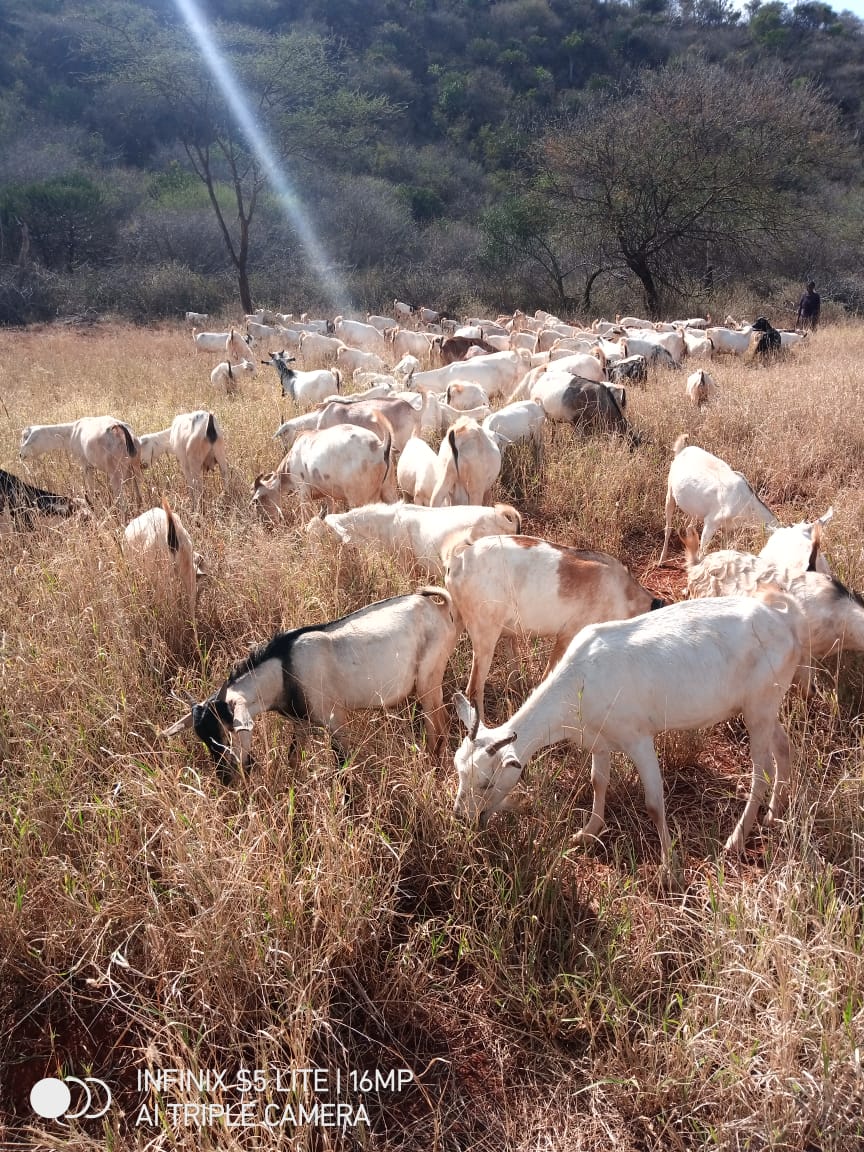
x,y
260,145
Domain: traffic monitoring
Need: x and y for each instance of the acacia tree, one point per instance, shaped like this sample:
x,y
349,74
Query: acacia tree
x,y
691,158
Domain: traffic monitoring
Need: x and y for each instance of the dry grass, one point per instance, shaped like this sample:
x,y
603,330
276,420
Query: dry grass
x,y
544,997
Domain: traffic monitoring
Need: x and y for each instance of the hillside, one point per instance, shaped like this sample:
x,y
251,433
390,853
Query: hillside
x,y
416,142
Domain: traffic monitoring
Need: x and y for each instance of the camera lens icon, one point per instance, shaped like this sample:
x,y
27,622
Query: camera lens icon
x,y
51,1098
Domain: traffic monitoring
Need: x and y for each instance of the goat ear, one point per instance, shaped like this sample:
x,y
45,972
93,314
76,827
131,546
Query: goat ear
x,y
827,517
468,714
499,744
180,726
242,720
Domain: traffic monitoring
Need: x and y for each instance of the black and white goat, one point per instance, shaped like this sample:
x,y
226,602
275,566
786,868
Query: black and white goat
x,y
374,658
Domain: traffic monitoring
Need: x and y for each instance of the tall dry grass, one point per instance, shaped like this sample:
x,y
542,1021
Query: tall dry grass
x,y
337,917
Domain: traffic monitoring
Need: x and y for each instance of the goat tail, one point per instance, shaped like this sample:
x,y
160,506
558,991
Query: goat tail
x,y
131,446
212,430
680,443
817,544
173,539
337,375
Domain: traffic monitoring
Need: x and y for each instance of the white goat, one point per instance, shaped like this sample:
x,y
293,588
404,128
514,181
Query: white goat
x,y
687,666
705,488
374,658
418,532
700,386
469,463
834,616
797,549
227,375
417,471
466,396
197,317
236,347
523,420
98,443
158,536
523,586
306,389
196,439
215,341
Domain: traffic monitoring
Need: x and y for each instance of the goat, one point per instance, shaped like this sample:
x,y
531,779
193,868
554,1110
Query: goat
x,y
215,341
417,471
705,488
345,463
196,439
520,585
374,658
523,420
236,347
469,462
305,388
19,501
699,387
690,665
99,443
197,317
159,535
798,548
418,532
225,375
834,616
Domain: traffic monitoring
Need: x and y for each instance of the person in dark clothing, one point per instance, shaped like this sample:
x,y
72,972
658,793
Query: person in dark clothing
x,y
808,308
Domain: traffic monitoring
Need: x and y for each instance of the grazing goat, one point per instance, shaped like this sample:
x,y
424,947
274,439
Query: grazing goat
x,y
419,532
226,375
705,488
400,418
834,616
216,341
699,387
765,341
196,439
197,317
236,347
347,464
99,443
687,666
19,501
466,396
157,536
523,420
522,586
374,658
417,471
797,548
469,462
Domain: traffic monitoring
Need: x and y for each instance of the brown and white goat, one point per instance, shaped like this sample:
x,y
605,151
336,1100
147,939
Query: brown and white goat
x,y
524,586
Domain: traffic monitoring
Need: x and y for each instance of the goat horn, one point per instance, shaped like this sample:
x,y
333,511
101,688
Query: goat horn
x,y
183,697
499,744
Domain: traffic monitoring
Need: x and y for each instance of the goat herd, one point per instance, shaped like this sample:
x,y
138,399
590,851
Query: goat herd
x,y
624,665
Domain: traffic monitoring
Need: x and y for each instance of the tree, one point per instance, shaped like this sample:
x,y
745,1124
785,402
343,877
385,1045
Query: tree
x,y
63,222
694,157
290,86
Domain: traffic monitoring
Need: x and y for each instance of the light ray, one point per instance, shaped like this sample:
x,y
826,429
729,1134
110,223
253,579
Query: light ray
x,y
260,145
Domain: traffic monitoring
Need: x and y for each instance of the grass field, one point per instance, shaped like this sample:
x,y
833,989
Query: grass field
x,y
340,919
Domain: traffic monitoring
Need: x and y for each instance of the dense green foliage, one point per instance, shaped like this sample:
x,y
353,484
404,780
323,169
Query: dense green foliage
x,y
434,146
